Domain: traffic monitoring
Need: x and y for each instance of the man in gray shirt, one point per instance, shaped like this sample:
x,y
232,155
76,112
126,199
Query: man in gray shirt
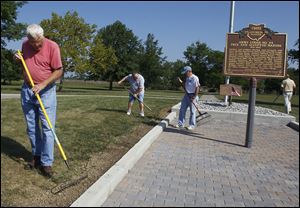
x,y
137,90
192,86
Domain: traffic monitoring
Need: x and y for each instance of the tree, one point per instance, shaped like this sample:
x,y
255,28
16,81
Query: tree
x,y
294,58
206,63
10,30
293,54
9,69
151,62
102,59
127,49
74,37
172,70
197,57
215,62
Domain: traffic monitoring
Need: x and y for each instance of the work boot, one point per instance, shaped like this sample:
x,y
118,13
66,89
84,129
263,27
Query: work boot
x,y
46,171
34,163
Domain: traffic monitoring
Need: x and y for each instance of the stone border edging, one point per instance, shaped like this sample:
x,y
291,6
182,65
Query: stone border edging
x,y
96,194
294,125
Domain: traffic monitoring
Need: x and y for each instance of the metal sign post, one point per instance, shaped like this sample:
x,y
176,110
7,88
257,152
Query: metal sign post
x,y
251,111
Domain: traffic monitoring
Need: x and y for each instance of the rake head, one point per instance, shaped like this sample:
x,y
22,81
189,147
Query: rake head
x,y
202,116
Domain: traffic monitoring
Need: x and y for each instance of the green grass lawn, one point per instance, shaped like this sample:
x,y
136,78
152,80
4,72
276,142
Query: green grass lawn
x,y
86,126
80,87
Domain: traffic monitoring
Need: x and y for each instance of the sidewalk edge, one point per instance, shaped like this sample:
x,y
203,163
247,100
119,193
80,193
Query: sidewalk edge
x,y
97,193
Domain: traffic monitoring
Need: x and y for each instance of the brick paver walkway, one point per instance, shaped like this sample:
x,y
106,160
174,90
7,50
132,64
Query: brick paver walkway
x,y
211,167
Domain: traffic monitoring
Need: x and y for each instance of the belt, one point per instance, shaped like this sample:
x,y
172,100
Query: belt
x,y
27,83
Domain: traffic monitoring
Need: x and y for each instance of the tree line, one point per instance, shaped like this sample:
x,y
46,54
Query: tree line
x,y
114,51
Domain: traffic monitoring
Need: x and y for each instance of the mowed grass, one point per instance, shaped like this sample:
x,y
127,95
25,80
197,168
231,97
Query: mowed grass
x,y
80,87
86,125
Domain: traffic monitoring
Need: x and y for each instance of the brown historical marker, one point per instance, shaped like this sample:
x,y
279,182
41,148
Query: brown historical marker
x,y
256,51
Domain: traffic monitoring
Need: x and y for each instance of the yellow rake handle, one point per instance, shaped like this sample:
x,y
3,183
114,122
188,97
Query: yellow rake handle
x,y
43,108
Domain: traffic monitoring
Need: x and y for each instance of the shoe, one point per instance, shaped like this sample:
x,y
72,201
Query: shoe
x,y
34,163
190,128
128,113
46,171
178,126
142,114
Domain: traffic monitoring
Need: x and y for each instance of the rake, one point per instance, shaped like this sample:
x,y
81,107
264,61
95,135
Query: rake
x,y
138,99
44,111
201,116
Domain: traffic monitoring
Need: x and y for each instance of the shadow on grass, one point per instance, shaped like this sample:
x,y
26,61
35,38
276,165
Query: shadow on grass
x,y
189,133
150,122
111,110
154,120
13,149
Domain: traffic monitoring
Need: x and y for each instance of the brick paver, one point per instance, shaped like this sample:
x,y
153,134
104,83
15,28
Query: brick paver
x,y
211,167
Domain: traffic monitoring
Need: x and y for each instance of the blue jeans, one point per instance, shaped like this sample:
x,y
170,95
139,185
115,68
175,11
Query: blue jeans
x,y
185,103
38,130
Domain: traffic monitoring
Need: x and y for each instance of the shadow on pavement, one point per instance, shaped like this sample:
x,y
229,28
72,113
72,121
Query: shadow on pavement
x,y
194,134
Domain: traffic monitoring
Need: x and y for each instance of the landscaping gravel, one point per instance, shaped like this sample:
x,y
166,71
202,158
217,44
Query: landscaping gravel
x,y
236,107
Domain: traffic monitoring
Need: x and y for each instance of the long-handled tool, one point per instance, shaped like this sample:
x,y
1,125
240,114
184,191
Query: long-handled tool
x,y
138,99
276,98
44,111
201,115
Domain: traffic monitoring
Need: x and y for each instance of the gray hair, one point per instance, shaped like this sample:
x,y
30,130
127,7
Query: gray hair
x,y
35,31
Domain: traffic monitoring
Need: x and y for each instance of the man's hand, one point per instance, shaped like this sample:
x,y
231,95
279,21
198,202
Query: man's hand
x,y
39,87
119,83
17,57
192,98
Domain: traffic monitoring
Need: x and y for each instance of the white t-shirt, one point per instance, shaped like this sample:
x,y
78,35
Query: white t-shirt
x,y
191,83
136,84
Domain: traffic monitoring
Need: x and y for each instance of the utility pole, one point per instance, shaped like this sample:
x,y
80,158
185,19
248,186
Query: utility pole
x,y
232,3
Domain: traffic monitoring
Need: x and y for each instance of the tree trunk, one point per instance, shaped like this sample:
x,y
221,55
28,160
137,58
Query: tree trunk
x,y
110,85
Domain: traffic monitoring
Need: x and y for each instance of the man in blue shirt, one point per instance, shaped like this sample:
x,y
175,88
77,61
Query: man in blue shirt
x,y
137,90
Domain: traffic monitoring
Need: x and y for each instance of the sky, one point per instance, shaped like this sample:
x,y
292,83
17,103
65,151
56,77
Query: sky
x,y
175,24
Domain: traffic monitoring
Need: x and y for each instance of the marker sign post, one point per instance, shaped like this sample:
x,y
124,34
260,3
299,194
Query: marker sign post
x,y
255,51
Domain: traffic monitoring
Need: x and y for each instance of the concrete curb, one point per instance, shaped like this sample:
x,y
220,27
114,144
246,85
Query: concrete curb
x,y
294,125
96,195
